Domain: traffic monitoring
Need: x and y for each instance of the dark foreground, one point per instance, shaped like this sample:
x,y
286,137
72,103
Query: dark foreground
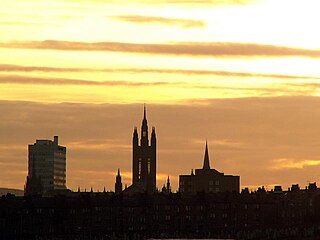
x,y
259,215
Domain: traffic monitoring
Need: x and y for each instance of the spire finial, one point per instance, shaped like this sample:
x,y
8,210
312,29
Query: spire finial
x,y
144,111
118,171
206,163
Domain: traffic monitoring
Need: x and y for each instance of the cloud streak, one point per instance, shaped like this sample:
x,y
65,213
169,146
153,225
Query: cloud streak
x,y
14,79
177,22
281,89
19,68
284,163
200,49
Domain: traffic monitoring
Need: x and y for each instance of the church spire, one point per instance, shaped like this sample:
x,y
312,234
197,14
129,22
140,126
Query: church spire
x,y
144,128
118,184
206,163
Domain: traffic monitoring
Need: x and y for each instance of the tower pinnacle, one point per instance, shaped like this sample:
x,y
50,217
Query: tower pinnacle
x,y
206,163
144,128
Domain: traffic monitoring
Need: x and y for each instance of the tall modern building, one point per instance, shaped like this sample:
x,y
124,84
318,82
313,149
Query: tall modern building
x,y
144,165
46,167
208,180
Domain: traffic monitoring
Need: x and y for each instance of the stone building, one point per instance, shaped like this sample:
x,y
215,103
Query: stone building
x,y
144,160
208,180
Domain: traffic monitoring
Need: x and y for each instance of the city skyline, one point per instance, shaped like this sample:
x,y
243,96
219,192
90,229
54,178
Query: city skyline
x,y
102,177
242,74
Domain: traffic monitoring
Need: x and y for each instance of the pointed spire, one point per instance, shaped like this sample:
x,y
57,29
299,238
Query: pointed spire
x,y
206,163
118,172
168,185
144,128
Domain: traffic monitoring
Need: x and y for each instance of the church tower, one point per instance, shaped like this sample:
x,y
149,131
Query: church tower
x,y
144,157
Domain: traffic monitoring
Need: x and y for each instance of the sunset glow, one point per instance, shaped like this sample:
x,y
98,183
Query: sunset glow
x,y
61,60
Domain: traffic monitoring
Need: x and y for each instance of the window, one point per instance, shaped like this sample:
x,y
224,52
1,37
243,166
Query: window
x,y
149,166
139,170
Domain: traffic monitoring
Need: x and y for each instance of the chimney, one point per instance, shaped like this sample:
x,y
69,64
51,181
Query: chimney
x,y
55,140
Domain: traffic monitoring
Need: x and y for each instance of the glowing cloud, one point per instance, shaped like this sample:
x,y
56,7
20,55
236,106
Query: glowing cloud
x,y
177,22
283,163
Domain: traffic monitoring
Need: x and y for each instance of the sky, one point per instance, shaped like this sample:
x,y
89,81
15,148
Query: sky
x,y
243,74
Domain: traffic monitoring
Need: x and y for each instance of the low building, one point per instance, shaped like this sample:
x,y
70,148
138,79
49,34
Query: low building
x,y
208,180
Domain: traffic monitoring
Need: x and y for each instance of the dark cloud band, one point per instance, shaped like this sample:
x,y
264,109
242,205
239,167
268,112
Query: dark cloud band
x,y
201,49
19,68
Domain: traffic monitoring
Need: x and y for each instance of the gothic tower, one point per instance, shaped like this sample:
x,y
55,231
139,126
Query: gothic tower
x,y
144,157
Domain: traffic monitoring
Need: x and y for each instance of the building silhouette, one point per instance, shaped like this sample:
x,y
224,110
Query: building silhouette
x,y
118,184
166,188
144,165
208,180
292,214
33,184
46,167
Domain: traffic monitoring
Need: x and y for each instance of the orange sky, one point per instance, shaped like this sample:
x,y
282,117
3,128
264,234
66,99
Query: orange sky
x,y
243,74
